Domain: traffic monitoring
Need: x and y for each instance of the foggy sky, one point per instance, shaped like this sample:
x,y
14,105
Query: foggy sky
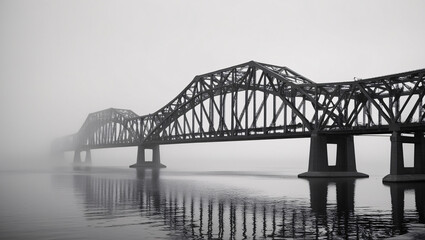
x,y
61,60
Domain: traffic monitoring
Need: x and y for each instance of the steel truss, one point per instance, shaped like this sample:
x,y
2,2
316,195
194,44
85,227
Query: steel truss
x,y
261,101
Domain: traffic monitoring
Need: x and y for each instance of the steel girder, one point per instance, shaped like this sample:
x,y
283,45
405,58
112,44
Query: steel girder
x,y
188,117
259,101
104,128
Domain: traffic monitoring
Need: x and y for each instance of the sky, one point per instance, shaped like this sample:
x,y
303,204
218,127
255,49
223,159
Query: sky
x,y
60,60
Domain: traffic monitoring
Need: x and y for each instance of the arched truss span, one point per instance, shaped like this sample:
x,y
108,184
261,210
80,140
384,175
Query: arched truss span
x,y
109,127
256,100
235,102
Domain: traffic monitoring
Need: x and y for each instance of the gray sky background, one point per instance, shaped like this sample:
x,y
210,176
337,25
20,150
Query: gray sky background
x,y
60,60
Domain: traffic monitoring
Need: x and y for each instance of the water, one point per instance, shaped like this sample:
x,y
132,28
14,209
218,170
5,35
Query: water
x,y
121,203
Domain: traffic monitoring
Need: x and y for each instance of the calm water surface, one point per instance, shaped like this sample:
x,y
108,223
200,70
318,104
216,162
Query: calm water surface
x,y
120,203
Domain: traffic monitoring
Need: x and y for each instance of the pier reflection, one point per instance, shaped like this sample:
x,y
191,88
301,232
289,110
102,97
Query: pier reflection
x,y
188,213
398,191
344,195
341,218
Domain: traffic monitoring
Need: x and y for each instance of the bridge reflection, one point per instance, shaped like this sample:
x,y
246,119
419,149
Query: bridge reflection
x,y
397,202
190,214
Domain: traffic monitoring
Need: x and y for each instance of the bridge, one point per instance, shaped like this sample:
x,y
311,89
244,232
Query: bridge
x,y
254,101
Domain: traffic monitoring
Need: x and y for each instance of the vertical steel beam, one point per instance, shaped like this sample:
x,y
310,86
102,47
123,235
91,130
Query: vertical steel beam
x,y
265,95
248,80
304,108
285,116
254,104
293,102
274,114
211,112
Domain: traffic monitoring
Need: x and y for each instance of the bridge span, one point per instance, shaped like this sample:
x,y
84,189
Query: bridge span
x,y
253,101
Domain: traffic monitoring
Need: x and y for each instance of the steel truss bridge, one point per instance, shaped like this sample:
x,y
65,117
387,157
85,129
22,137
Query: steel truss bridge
x,y
253,101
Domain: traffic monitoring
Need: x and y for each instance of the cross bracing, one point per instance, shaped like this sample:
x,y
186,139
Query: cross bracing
x,y
260,101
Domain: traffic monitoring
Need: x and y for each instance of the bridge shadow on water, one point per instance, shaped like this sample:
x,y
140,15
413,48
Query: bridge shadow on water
x,y
191,214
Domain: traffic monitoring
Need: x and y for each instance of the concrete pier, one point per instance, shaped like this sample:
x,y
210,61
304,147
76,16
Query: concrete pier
x,y
345,157
398,171
141,158
77,157
88,157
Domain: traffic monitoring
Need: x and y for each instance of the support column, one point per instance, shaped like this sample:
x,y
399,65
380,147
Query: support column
x,y
400,173
318,153
155,155
345,154
397,159
345,162
419,153
77,157
140,154
141,161
88,157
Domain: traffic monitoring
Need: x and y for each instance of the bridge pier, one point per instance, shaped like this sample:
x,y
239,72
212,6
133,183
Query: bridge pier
x,y
400,173
88,157
141,158
345,157
77,157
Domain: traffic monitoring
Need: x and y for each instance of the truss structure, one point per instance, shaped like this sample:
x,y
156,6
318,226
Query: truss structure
x,y
261,101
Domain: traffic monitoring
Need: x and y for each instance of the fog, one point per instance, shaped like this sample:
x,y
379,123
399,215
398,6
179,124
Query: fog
x,y
61,60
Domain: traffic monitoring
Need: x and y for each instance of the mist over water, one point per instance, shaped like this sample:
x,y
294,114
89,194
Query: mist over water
x,y
61,60
111,203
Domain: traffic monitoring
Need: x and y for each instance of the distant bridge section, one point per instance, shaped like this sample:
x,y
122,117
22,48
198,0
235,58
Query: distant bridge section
x,y
261,101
